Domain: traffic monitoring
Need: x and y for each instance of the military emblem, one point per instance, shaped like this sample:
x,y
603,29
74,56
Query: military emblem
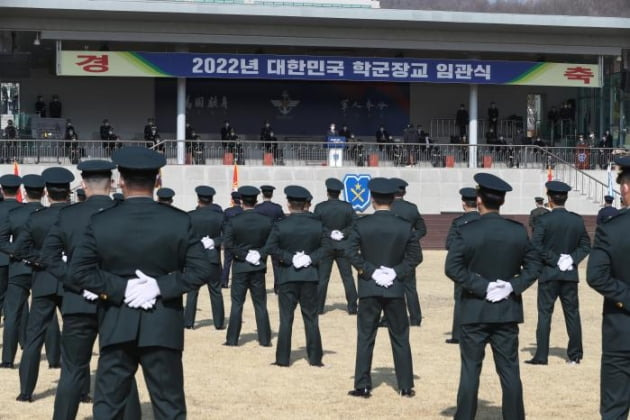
x,y
285,104
356,191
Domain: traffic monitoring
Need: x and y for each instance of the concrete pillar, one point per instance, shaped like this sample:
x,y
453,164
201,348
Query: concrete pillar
x,y
181,120
472,127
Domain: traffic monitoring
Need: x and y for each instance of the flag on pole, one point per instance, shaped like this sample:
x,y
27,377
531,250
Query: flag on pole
x,y
549,173
235,178
16,171
611,190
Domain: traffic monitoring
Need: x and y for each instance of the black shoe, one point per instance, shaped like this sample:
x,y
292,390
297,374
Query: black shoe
x,y
535,362
266,344
230,344
6,365
360,392
573,361
415,323
24,398
220,327
189,327
225,286
352,311
383,323
279,364
86,399
451,341
409,393
54,366
320,364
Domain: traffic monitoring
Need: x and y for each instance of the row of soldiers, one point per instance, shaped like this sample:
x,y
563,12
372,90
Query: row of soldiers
x,y
112,272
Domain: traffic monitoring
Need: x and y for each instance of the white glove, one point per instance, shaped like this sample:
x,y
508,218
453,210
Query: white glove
x,y
305,260
297,259
208,242
565,262
498,290
382,278
148,305
253,257
87,295
336,235
391,274
143,293
64,257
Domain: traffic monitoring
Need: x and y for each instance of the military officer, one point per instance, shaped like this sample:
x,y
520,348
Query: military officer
x,y
227,255
20,279
209,199
245,236
338,217
384,248
139,257
274,211
410,213
607,211
165,196
469,205
608,273
562,242
46,289
297,244
80,322
10,185
494,261
207,224
539,210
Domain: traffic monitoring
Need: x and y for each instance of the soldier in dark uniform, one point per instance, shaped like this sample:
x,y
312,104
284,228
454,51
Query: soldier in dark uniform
x,y
10,185
18,290
274,211
495,263
148,128
608,272
384,249
40,106
297,244
104,130
230,212
139,257
55,107
245,236
539,210
46,289
461,120
337,217
81,197
562,242
410,213
165,196
225,132
80,322
469,205
607,211
208,198
493,117
207,224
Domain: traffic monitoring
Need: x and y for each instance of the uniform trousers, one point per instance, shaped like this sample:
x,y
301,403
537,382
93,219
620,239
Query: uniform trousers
x,y
4,283
77,341
216,301
163,374
413,303
42,321
289,295
398,327
615,385
254,281
457,298
503,339
227,264
548,292
345,270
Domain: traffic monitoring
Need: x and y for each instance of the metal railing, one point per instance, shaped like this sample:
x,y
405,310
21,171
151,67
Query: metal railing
x,y
445,128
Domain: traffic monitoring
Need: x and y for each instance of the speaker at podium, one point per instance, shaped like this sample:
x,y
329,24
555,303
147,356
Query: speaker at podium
x,y
336,146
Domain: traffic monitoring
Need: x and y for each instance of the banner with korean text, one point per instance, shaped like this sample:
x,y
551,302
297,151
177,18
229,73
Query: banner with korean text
x,y
281,67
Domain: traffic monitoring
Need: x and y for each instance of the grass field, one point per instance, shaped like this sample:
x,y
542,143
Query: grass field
x,y
239,382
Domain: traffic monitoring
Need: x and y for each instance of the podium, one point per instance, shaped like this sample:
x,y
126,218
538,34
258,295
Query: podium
x,y
582,156
335,146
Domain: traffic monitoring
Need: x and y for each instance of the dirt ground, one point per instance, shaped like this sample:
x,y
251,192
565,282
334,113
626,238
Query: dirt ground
x,y
239,382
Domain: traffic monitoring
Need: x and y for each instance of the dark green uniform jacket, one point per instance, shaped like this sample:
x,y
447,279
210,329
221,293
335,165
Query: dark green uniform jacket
x,y
410,213
366,253
206,221
534,214
336,215
244,232
560,232
6,206
457,223
483,251
140,234
297,232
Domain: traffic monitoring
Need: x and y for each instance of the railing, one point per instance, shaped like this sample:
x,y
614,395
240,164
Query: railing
x,y
445,128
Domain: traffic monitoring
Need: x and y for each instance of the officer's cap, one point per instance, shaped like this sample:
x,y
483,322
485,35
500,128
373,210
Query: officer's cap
x,y
267,188
492,182
138,158
468,193
95,166
609,198
539,199
235,195
33,182
401,183
118,197
57,175
80,192
165,193
205,191
623,162
295,192
557,186
248,191
10,181
333,184
383,186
